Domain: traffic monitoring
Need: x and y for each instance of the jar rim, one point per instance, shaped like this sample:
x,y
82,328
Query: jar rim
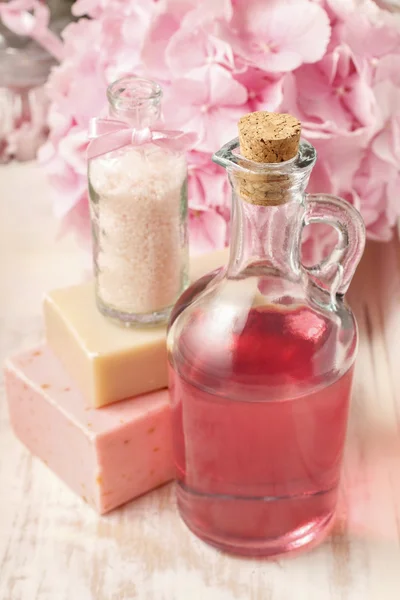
x,y
130,91
229,157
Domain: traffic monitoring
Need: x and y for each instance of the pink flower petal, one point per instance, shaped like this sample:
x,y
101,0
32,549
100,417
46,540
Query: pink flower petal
x,y
201,49
220,126
371,37
388,99
72,149
207,230
342,155
264,92
78,220
389,69
208,184
224,90
360,100
154,47
67,184
279,36
195,43
210,104
208,11
384,146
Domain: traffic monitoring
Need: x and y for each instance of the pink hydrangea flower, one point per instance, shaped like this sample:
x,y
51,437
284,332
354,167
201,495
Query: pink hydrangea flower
x,y
210,102
95,8
79,93
376,194
207,229
335,64
185,24
278,37
201,49
66,168
208,184
78,219
265,92
386,144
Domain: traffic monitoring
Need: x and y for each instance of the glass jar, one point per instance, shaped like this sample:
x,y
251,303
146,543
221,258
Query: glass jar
x,y
25,65
24,68
138,202
261,357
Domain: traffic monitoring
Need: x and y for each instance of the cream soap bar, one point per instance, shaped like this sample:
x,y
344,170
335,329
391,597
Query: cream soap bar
x,y
107,362
106,456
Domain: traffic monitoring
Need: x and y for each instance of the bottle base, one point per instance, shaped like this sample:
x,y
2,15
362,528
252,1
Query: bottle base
x,y
304,537
124,319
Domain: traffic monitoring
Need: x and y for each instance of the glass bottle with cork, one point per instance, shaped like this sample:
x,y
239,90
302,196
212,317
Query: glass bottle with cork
x,y
261,356
138,201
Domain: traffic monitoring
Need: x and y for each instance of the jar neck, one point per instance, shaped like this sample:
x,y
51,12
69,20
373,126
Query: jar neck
x,y
136,101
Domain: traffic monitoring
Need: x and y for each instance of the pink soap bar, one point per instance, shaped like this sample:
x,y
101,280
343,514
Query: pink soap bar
x,y
107,456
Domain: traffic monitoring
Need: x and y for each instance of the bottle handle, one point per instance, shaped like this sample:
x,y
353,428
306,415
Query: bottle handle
x,y
334,273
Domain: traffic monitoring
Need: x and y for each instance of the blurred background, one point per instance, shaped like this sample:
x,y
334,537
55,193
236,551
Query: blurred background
x,y
335,67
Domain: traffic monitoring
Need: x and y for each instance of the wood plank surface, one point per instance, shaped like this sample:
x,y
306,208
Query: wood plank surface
x,y
54,547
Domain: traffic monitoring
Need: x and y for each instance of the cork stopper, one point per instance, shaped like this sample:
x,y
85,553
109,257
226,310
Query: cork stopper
x,y
267,138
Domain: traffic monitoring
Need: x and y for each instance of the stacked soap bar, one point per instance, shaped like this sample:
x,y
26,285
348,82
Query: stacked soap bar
x,y
108,363
93,403
106,456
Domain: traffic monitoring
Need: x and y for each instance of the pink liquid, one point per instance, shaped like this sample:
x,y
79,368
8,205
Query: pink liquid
x,y
258,461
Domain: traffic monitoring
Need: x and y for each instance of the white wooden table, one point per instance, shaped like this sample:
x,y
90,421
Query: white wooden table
x,y
54,547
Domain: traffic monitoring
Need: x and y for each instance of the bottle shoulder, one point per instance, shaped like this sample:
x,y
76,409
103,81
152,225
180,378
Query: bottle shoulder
x,y
217,291
259,334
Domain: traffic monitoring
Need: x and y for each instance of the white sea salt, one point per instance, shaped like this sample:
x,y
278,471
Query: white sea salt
x,y
138,203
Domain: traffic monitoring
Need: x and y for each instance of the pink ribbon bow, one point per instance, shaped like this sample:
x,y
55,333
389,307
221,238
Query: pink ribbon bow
x,y
17,18
107,135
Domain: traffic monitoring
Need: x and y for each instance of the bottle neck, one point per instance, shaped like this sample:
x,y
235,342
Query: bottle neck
x,y
268,209
266,236
135,101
